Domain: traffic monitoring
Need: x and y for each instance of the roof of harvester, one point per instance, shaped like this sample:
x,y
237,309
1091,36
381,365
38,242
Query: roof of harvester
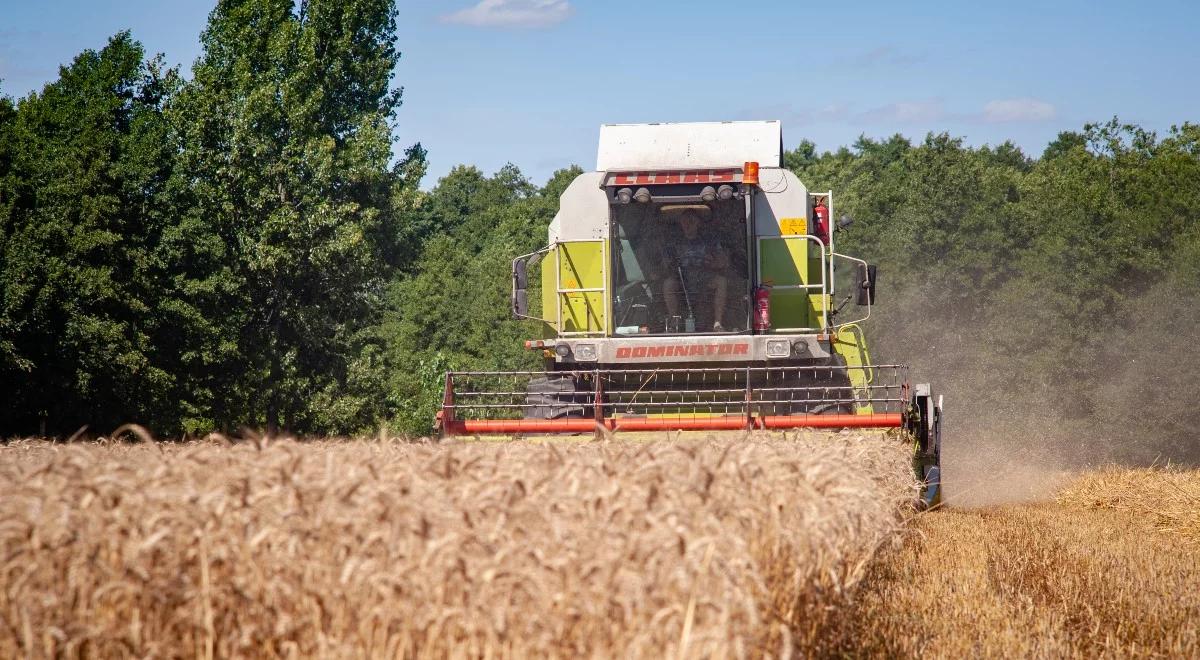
x,y
697,145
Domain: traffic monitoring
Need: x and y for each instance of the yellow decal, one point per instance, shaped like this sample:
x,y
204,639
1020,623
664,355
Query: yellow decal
x,y
793,226
571,284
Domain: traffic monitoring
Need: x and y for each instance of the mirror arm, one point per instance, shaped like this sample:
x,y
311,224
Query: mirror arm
x,y
845,301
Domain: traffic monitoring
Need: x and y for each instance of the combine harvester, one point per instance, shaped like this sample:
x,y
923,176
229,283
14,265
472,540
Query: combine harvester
x,y
691,283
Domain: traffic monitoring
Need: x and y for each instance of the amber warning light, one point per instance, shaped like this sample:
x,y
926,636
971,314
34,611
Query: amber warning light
x,y
750,173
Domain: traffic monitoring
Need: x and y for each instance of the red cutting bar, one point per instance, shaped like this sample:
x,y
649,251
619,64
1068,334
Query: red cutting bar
x,y
726,423
873,421
502,426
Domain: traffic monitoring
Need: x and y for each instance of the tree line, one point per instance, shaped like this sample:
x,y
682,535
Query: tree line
x,y
212,252
242,249
1058,294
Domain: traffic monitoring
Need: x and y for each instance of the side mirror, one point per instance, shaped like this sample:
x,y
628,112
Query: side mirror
x,y
864,284
520,295
520,275
520,304
844,223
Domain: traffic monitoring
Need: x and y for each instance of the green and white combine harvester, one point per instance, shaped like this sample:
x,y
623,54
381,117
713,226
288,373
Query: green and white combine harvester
x,y
692,283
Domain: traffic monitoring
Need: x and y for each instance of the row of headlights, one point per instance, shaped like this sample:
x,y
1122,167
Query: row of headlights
x,y
783,348
643,196
583,352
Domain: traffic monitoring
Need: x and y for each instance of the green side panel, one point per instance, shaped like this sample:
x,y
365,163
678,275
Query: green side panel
x,y
549,311
817,302
786,261
814,265
581,266
789,309
852,346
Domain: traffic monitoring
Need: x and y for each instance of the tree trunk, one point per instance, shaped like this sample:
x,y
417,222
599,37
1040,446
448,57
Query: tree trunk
x,y
272,415
273,381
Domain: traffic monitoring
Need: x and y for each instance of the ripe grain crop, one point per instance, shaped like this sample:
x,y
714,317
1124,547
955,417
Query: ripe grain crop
x,y
740,545
1108,570
1169,497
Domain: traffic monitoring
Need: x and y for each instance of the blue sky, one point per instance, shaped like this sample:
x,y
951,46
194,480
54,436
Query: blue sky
x,y
529,81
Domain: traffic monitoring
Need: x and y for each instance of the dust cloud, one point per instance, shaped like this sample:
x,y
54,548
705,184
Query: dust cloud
x,y
1015,428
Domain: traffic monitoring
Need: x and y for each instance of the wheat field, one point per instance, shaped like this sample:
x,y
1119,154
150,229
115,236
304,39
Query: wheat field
x,y
692,546
721,546
1109,568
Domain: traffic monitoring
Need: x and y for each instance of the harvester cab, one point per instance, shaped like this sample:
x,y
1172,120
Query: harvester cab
x,y
691,282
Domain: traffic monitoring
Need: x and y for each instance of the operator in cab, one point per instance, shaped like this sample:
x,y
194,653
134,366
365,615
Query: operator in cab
x,y
695,286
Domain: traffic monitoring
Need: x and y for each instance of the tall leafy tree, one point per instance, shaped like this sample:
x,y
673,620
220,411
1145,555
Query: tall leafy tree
x,y
82,169
10,359
450,310
284,193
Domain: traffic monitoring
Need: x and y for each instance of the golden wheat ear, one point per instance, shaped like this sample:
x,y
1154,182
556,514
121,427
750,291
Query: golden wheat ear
x,y
602,433
218,438
138,431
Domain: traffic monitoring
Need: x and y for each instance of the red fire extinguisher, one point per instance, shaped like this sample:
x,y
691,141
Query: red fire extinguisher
x,y
762,308
821,221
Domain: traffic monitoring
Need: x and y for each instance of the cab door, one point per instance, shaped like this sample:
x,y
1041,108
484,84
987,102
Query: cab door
x,y
581,287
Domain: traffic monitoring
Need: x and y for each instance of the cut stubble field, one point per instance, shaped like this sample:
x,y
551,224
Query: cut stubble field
x,y
738,545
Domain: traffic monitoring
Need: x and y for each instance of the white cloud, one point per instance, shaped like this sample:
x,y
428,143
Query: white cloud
x,y
881,57
797,115
1012,110
906,112
512,13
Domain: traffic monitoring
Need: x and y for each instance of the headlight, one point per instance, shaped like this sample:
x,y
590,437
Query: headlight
x,y
585,352
563,350
778,348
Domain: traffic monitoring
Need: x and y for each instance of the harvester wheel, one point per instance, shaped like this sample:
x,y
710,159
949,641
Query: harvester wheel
x,y
925,423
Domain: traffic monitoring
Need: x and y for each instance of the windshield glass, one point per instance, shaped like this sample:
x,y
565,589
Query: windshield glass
x,y
680,268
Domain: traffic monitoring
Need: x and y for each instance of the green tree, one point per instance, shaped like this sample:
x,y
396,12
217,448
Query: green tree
x,y
284,195
10,359
82,170
451,310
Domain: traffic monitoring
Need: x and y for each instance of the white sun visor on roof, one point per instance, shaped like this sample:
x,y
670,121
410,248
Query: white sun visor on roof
x,y
689,146
664,177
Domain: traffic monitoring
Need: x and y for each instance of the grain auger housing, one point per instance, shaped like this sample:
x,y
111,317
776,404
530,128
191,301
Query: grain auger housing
x,y
691,282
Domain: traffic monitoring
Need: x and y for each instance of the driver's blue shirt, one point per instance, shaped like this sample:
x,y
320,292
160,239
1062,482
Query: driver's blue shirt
x,y
690,253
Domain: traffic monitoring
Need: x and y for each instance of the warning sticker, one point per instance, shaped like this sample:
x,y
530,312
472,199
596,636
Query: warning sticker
x,y
793,226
